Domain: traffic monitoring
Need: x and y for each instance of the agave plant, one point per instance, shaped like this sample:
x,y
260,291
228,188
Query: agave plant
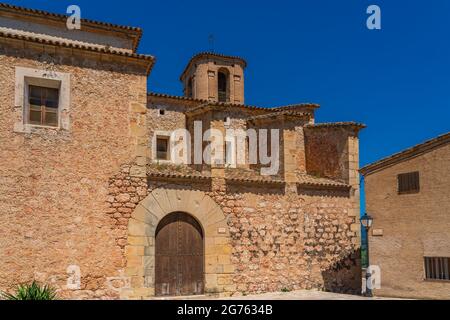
x,y
32,291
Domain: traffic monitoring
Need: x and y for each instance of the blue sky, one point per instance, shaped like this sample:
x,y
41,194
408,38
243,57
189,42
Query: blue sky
x,y
396,80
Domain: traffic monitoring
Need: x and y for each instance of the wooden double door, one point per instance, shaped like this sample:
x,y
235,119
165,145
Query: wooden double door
x,y
179,257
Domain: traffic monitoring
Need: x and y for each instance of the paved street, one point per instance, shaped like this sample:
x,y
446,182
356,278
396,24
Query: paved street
x,y
304,295
293,295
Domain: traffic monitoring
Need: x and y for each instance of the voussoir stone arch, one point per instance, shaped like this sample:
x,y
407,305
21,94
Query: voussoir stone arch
x,y
140,250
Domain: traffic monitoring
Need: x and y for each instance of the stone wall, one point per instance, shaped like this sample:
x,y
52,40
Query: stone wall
x,y
290,242
324,152
280,242
277,241
409,227
67,197
54,184
172,119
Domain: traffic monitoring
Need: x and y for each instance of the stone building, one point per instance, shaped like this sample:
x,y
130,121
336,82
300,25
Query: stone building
x,y
408,196
93,202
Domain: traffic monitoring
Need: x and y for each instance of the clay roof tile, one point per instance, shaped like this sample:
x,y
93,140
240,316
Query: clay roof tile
x,y
137,32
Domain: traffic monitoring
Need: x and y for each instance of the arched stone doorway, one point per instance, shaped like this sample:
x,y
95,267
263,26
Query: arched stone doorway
x,y
179,256
142,229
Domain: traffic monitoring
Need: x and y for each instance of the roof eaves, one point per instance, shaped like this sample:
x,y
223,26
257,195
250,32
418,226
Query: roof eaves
x,y
81,47
336,125
136,30
295,106
254,181
168,96
211,54
318,185
167,176
210,104
406,154
287,113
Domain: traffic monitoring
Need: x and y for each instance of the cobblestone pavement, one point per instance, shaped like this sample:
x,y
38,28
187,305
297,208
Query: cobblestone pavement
x,y
293,295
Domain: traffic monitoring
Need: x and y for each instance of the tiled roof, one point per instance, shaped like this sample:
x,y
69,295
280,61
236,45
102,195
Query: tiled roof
x,y
271,109
306,180
104,50
296,105
209,105
337,125
137,31
211,54
409,153
239,176
217,55
291,113
168,96
206,104
171,171
213,105
251,176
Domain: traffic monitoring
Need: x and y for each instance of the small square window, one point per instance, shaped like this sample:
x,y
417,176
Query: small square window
x,y
408,183
42,99
162,148
161,112
43,106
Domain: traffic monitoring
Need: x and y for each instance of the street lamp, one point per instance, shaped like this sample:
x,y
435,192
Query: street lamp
x,y
366,222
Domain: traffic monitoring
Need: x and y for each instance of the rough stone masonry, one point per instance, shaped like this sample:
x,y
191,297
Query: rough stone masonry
x,y
93,190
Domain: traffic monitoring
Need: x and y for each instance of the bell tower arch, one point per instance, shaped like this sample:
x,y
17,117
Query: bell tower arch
x,y
215,77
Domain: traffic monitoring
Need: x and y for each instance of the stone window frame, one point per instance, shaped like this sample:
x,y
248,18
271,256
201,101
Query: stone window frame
x,y
43,78
164,134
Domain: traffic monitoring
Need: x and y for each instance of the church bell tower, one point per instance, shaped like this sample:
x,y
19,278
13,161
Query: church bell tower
x,y
214,77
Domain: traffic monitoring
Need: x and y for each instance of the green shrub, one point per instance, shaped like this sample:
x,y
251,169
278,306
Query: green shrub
x,y
285,290
32,291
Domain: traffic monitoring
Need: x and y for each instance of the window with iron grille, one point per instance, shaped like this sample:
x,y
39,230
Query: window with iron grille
x,y
43,106
437,268
162,148
408,182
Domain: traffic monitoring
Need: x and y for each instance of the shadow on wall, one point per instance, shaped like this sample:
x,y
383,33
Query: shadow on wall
x,y
345,275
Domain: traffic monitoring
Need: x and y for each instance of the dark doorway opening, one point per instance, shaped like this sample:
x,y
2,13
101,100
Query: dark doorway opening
x,y
179,256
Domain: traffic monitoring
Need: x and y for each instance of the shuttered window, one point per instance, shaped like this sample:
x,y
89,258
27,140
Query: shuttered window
x,y
437,268
408,183
43,106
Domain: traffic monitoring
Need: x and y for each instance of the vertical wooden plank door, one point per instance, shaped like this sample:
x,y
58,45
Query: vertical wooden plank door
x,y
179,257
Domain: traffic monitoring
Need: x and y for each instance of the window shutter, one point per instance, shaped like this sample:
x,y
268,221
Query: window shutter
x,y
408,182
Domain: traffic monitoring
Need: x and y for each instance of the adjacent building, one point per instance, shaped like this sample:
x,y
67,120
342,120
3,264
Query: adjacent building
x,y
94,202
408,196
